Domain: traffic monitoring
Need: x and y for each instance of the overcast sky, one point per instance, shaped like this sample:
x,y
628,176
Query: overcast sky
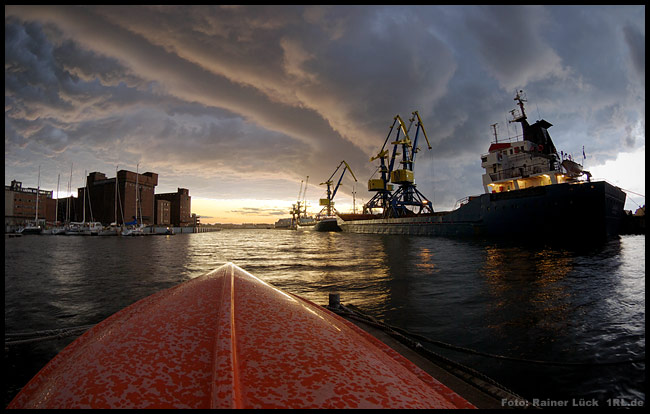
x,y
242,103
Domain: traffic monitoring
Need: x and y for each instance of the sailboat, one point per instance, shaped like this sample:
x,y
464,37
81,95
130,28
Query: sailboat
x,y
92,228
57,229
113,229
34,228
135,229
66,224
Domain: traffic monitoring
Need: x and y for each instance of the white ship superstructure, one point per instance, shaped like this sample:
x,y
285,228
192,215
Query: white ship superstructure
x,y
528,162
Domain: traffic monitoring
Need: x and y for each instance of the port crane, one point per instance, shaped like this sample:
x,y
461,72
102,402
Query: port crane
x,y
394,204
300,208
328,203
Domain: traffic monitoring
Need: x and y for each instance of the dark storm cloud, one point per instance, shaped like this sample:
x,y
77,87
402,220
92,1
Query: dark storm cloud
x,y
247,95
636,42
509,42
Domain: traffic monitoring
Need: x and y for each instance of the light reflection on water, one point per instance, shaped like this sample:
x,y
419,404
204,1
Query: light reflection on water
x,y
522,301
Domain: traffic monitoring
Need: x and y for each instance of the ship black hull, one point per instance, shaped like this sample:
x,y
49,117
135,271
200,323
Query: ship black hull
x,y
582,211
327,225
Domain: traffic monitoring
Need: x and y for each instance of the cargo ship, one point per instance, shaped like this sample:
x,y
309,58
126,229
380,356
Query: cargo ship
x,y
530,191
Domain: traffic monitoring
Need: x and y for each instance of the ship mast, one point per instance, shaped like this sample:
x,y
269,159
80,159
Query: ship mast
x,y
520,102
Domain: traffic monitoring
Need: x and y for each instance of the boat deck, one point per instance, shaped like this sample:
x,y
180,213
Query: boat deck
x,y
475,387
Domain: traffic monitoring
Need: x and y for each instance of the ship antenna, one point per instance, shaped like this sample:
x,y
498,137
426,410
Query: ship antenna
x,y
520,98
494,127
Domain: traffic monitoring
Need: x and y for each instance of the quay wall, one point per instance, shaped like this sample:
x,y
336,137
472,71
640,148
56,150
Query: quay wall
x,y
179,230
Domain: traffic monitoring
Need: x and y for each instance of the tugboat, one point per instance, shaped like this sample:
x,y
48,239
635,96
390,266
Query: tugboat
x,y
530,191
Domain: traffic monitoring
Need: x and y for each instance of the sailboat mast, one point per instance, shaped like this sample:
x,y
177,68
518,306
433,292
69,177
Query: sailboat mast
x,y
84,202
116,195
67,202
137,174
304,197
38,190
56,208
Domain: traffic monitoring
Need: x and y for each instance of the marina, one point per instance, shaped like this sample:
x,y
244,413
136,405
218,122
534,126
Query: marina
x,y
532,303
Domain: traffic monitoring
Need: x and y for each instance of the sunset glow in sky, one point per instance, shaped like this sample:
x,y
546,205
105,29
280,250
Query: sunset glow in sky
x,y
239,104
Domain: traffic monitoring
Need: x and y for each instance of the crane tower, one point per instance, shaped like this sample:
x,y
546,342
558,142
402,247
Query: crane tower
x,y
406,200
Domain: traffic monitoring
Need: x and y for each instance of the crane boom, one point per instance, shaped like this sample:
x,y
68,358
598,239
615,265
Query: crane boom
x,y
304,194
328,202
421,125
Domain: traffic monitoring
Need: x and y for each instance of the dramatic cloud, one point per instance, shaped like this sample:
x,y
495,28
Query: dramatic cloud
x,y
246,101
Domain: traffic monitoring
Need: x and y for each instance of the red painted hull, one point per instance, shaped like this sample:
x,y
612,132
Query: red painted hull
x,y
229,340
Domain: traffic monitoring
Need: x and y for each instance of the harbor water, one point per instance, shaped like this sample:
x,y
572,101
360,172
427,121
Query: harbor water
x,y
533,302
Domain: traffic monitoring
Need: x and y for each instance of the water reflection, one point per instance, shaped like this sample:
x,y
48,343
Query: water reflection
x,y
527,290
425,260
536,302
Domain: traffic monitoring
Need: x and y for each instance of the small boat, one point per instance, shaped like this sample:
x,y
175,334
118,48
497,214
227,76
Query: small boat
x,y
134,230
111,230
58,231
74,228
229,340
91,228
30,229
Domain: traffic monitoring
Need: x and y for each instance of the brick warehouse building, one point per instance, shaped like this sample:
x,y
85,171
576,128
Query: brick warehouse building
x,y
101,192
20,205
180,204
162,215
156,209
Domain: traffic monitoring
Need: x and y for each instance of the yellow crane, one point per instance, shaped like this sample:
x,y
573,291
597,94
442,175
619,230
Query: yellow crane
x,y
395,204
328,203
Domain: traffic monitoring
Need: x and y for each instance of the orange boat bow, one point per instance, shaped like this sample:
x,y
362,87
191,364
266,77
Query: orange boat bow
x,y
229,340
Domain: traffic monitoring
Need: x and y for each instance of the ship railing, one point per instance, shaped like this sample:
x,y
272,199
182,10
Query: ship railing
x,y
461,202
519,172
510,139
